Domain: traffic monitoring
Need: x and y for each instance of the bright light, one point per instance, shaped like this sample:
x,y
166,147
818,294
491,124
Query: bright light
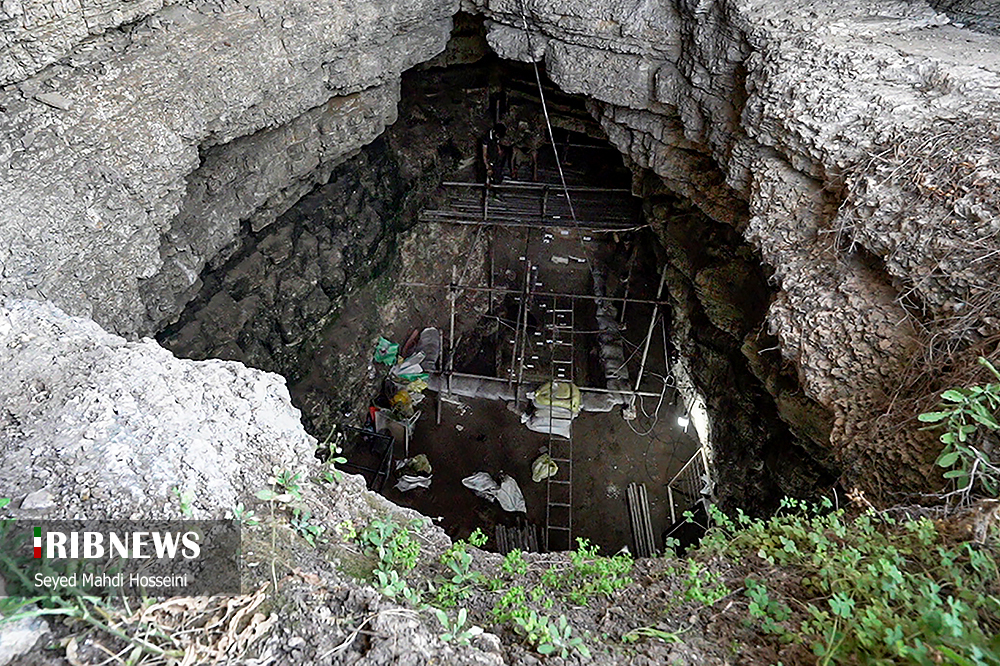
x,y
683,421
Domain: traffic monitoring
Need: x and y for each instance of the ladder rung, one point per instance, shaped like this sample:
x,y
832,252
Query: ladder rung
x,y
560,504
557,527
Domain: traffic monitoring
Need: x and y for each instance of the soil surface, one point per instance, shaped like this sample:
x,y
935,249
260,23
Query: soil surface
x,y
608,456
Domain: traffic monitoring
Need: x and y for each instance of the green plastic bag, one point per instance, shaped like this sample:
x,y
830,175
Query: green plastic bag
x,y
386,352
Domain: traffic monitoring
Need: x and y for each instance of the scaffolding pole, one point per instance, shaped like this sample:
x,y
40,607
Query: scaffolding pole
x,y
527,185
652,324
512,223
503,290
452,296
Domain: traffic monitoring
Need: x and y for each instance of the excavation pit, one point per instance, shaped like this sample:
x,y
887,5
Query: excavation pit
x,y
381,248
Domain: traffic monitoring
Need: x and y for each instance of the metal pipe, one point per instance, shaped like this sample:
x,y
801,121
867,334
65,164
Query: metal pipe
x,y
652,323
583,389
527,185
501,290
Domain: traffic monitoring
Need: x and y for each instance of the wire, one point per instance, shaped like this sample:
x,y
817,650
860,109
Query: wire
x,y
552,136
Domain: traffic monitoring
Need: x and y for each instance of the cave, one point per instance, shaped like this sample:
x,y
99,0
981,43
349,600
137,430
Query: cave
x,y
573,266
748,246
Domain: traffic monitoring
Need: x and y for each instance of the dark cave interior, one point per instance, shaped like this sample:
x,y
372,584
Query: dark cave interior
x,y
381,248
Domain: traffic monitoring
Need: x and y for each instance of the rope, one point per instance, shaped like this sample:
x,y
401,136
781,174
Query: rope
x,y
545,110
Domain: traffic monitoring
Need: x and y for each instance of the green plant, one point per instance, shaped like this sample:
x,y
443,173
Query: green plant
x,y
345,530
4,501
703,585
591,575
960,414
392,545
549,636
392,585
186,499
285,488
512,602
640,633
766,612
514,564
878,590
459,563
461,578
455,630
331,449
244,516
308,530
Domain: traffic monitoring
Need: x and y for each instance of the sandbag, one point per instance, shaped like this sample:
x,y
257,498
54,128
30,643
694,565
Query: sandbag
x,y
482,484
541,422
409,482
558,394
507,493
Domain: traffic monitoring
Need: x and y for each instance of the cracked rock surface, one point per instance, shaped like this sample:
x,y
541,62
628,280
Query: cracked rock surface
x,y
94,426
854,145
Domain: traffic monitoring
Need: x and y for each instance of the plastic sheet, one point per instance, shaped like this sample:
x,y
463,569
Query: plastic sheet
x,y
506,493
409,482
386,352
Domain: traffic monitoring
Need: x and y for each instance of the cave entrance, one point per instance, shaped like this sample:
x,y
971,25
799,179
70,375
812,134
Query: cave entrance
x,y
528,281
557,284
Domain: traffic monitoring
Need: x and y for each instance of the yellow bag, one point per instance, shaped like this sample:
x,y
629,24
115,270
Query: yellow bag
x,y
559,394
543,467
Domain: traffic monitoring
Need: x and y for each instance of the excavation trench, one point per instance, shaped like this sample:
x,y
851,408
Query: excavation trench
x,y
595,276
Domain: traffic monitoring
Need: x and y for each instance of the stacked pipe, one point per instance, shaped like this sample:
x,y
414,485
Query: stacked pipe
x,y
638,514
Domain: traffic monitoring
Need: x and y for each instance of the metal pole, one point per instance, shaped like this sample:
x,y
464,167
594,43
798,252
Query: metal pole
x,y
452,295
501,290
491,284
652,323
670,499
595,227
524,185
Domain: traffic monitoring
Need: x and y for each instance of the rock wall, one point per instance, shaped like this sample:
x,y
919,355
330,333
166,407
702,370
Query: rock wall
x,y
982,15
293,298
36,33
94,426
130,162
133,153
785,120
768,439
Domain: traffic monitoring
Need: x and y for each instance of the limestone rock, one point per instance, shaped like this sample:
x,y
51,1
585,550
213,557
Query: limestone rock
x,y
20,636
39,500
112,207
55,100
120,424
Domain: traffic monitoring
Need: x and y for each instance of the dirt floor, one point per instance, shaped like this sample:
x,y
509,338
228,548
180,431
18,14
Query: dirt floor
x,y
482,435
